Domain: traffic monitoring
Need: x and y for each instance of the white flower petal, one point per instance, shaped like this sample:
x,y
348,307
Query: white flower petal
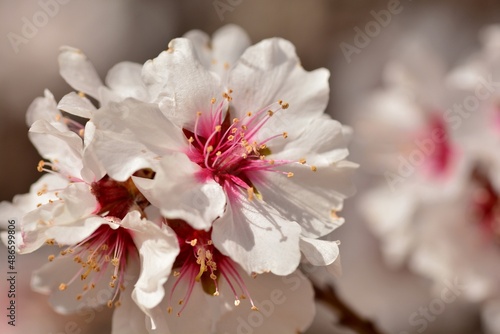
x,y
78,71
72,234
310,198
183,86
44,108
319,252
179,192
77,105
63,148
125,79
321,144
158,249
131,135
257,237
62,269
286,305
128,318
270,71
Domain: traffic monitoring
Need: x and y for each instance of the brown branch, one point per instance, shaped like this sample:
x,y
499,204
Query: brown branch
x,y
347,316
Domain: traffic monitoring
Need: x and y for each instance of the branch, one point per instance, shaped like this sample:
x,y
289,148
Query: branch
x,y
347,317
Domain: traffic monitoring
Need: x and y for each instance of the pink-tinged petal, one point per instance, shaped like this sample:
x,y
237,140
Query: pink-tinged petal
x,y
132,135
270,71
63,148
257,237
311,198
49,277
125,79
181,193
78,71
44,108
182,85
158,249
320,144
319,252
286,305
77,105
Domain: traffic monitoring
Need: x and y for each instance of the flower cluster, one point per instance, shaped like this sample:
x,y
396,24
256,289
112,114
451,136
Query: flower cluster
x,y
188,190
439,209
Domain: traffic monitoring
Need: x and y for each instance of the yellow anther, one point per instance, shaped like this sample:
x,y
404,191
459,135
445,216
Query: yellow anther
x,y
218,153
110,303
218,128
193,242
270,113
235,120
191,139
236,302
216,293
285,135
51,258
271,162
213,100
251,193
302,161
210,149
78,297
40,166
255,308
81,132
50,242
289,174
285,105
314,168
198,113
249,114
115,261
62,286
81,94
169,310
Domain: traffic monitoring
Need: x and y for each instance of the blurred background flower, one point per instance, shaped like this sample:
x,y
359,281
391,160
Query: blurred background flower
x,y
356,40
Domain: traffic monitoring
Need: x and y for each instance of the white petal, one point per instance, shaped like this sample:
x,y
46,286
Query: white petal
x,y
310,198
319,252
179,193
286,305
321,144
63,148
158,249
44,108
128,318
78,71
76,105
75,232
47,280
125,79
183,86
131,135
270,71
201,43
257,237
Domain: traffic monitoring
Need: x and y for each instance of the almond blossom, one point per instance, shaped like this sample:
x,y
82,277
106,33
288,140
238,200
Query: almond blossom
x,y
233,155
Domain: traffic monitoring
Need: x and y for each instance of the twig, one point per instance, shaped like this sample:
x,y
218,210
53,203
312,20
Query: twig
x,y
347,316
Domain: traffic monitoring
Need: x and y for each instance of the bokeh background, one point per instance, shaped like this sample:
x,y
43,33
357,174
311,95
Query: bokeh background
x,y
111,31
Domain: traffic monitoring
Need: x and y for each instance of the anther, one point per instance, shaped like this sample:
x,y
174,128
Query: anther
x,y
62,286
314,168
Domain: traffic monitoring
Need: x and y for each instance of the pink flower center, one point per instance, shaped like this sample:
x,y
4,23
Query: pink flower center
x,y
230,150
436,145
95,253
486,203
107,245
200,262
